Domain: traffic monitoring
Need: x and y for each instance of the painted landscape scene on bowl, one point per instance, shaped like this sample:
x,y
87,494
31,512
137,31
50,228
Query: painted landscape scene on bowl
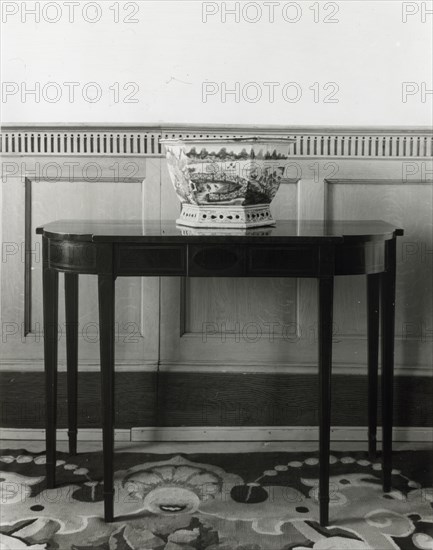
x,y
236,175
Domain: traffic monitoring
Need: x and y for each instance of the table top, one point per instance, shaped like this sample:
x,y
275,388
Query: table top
x,y
311,231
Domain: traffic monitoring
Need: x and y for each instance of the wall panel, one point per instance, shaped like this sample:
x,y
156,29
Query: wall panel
x,y
249,306
60,189
409,205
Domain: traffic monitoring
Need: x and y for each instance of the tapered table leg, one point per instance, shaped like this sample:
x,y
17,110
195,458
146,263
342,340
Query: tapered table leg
x,y
106,329
50,283
326,291
71,313
388,328
373,286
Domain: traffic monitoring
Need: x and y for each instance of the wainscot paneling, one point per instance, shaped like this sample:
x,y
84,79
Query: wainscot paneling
x,y
211,399
213,337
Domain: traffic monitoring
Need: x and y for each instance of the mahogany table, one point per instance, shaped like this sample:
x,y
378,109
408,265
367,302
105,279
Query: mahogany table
x,y
321,250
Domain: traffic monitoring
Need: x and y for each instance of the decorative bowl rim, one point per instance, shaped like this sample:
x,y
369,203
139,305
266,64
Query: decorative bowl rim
x,y
245,139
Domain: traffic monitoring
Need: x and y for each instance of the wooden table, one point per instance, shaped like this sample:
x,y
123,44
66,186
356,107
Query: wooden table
x,y
317,249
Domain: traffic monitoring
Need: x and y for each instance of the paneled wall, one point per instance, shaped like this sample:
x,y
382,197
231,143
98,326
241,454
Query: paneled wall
x,y
204,328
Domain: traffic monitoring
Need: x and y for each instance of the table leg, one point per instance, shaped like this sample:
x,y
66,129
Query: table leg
x,y
326,291
388,328
50,284
71,314
106,283
373,286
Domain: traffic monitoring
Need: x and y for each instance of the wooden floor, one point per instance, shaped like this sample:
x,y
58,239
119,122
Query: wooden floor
x,y
210,447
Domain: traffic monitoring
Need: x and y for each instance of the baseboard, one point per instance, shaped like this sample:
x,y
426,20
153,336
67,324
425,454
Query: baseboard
x,y
37,434
250,433
270,433
346,368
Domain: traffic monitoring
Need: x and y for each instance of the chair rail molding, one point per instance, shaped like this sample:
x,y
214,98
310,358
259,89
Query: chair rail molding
x,y
144,140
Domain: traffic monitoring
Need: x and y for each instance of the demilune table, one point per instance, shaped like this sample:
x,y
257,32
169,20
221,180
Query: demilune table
x,y
315,249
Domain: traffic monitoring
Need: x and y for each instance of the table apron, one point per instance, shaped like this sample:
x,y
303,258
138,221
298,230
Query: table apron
x,y
216,260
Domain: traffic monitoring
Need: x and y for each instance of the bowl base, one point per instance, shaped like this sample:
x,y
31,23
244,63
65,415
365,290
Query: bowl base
x,y
225,216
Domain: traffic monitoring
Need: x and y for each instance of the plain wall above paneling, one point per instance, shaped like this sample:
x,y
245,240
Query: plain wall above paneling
x,y
322,63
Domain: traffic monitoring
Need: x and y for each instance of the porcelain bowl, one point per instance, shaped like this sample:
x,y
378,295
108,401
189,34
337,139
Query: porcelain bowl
x,y
215,178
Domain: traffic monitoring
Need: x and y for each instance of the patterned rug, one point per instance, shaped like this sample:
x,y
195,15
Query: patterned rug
x,y
248,501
